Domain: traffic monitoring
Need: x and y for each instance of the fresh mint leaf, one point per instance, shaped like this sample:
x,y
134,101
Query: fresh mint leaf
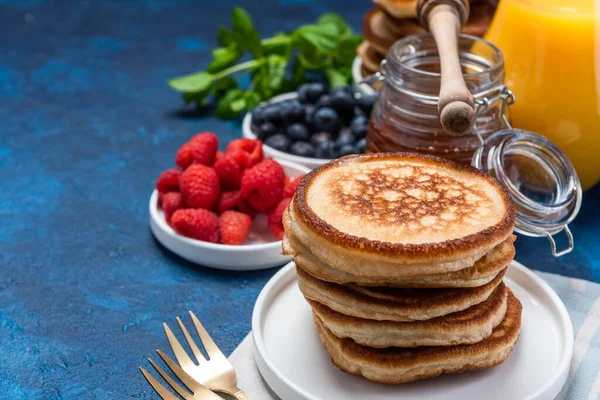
x,y
224,57
322,38
246,34
336,77
224,106
341,27
252,99
192,83
225,84
280,44
276,70
225,37
347,49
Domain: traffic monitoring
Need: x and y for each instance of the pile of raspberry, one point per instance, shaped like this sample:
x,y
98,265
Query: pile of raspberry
x,y
213,196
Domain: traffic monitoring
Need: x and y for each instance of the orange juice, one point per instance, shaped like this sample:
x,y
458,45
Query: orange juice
x,y
552,61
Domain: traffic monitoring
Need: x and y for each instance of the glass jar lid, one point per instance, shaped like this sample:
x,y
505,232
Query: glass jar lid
x,y
540,178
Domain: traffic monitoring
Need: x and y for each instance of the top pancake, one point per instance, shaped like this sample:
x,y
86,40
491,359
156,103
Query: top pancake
x,y
403,206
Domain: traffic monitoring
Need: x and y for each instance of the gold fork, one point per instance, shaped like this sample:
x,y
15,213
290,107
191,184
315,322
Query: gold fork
x,y
199,392
216,373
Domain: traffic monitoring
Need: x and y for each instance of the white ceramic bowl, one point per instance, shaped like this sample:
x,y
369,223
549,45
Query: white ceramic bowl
x,y
308,162
260,251
357,78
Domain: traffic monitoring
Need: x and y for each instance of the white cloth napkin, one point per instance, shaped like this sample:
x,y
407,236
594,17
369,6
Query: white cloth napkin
x,y
248,376
582,300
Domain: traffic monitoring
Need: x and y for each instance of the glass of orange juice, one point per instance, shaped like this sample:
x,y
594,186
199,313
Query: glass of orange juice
x,y
552,60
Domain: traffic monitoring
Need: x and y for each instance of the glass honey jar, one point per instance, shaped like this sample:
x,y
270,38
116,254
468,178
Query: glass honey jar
x,y
405,117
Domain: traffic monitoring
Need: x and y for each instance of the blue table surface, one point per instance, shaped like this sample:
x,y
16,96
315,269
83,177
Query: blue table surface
x,y
87,124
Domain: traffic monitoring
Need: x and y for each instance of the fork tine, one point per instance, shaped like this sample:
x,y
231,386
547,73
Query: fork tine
x,y
183,376
182,392
209,345
158,388
180,354
199,356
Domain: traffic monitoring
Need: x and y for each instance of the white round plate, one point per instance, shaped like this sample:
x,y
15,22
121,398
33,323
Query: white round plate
x,y
308,162
357,78
259,252
294,363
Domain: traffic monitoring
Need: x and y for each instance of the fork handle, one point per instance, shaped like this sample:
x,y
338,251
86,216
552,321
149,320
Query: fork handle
x,y
241,395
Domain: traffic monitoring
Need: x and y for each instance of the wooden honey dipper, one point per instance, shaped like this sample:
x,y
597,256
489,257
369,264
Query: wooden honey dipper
x,y
444,19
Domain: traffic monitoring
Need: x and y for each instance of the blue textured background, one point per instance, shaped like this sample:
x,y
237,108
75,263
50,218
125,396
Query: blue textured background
x,y
87,123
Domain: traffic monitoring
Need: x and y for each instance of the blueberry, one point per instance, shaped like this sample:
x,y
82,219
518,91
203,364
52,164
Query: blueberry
x,y
346,150
341,89
345,138
359,126
298,132
325,149
342,101
309,115
324,101
291,112
358,111
360,145
265,130
302,149
315,91
326,119
278,142
258,115
271,114
309,93
303,93
317,138
366,102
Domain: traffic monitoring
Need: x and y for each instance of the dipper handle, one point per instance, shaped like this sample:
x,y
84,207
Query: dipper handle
x,y
444,18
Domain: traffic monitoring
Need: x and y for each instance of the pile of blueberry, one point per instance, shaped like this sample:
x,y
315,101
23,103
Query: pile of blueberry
x,y
320,123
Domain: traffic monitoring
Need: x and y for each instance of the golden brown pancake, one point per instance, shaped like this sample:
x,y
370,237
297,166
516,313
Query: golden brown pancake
x,y
377,32
395,365
370,58
392,304
483,271
400,9
465,327
402,27
399,214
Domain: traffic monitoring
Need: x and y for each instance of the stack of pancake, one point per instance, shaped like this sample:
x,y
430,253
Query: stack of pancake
x,y
401,257
391,20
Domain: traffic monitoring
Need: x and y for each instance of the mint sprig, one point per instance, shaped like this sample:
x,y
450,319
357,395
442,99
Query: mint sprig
x,y
279,64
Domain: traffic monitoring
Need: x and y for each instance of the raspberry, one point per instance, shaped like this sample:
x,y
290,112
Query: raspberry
x,y
200,187
275,224
218,156
250,146
234,227
289,188
168,181
203,148
196,224
183,158
241,158
229,172
262,185
171,202
160,199
229,200
200,149
246,208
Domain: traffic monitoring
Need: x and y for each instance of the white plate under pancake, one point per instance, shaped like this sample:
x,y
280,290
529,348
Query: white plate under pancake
x,y
294,363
